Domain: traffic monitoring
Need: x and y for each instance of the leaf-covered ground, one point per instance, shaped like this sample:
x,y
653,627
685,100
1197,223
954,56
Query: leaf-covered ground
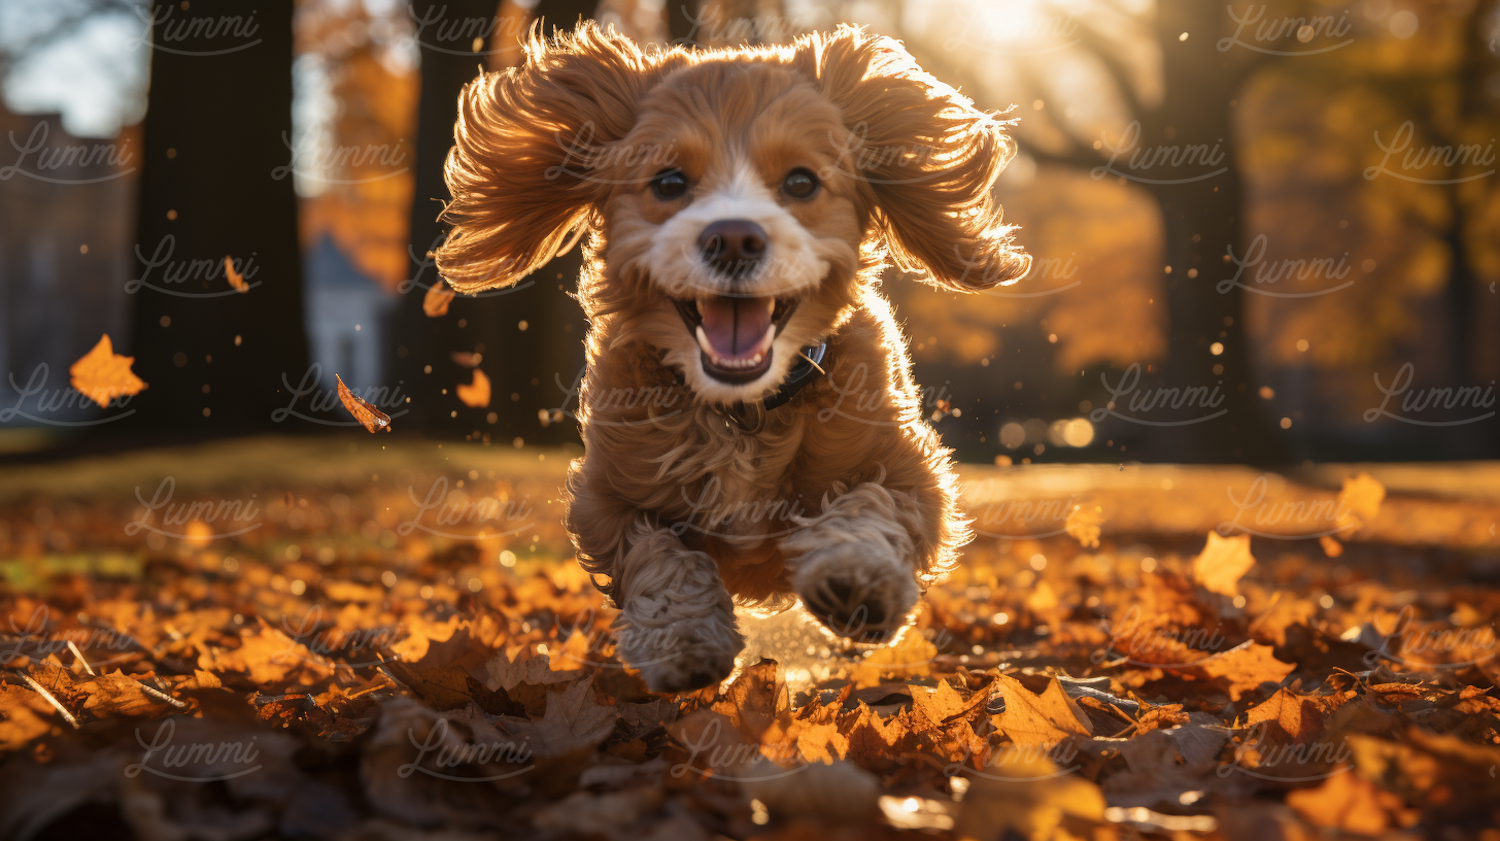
x,y
340,639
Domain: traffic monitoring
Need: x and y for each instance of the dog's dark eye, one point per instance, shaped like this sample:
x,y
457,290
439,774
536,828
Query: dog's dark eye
x,y
800,184
668,184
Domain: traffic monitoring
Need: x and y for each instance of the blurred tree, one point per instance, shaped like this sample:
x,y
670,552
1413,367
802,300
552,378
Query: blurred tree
x,y
529,336
357,188
216,137
1202,214
1381,155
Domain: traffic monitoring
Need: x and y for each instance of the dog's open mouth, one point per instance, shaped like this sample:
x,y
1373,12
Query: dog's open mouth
x,y
735,333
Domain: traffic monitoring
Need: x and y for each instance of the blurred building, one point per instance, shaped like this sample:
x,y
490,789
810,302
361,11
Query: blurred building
x,y
67,217
347,318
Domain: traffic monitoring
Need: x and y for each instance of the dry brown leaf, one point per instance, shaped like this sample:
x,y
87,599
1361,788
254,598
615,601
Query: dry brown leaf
x,y
1045,719
1222,563
940,704
267,657
573,722
873,741
757,698
435,302
446,673
232,274
371,417
475,395
24,716
101,375
506,672
1299,716
1245,667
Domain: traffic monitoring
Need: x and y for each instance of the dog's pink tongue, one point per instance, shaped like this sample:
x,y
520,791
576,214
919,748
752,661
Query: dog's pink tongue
x,y
735,326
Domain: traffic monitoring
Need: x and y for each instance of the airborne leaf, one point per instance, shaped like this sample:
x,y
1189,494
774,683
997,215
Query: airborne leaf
x,y
102,375
362,410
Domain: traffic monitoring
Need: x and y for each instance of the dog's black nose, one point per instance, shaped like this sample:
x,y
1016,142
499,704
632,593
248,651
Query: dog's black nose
x,y
733,247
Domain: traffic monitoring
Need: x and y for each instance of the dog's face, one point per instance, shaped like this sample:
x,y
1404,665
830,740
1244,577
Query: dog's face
x,y
740,243
736,192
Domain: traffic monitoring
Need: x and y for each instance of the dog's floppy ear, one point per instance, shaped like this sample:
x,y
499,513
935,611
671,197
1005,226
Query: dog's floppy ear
x,y
520,170
925,155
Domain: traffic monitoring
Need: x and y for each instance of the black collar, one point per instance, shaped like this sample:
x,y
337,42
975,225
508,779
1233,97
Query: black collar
x,y
751,418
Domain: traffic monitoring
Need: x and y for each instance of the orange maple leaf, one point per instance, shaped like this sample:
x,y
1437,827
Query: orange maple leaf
x,y
102,375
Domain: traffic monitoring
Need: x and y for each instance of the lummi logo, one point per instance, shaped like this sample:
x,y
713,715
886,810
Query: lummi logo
x,y
40,162
1320,270
441,511
324,400
193,761
39,404
1128,396
1130,160
167,32
199,521
202,270
1465,401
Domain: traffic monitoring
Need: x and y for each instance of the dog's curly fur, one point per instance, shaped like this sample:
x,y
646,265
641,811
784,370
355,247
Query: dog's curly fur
x,y
845,497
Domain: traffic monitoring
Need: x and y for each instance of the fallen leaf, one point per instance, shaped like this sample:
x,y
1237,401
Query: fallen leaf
x,y
1222,563
503,672
1045,719
266,656
873,741
101,375
362,411
1298,716
475,395
435,302
756,699
573,722
1245,667
24,716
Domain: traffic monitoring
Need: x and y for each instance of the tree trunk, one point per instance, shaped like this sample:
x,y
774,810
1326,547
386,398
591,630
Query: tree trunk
x,y
682,20
1203,216
216,183
522,365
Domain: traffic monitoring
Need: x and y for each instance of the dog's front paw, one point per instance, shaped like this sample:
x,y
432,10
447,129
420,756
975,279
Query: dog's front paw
x,y
682,656
860,591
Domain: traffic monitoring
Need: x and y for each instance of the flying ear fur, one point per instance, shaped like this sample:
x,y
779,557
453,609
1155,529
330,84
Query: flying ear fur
x,y
520,170
927,156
